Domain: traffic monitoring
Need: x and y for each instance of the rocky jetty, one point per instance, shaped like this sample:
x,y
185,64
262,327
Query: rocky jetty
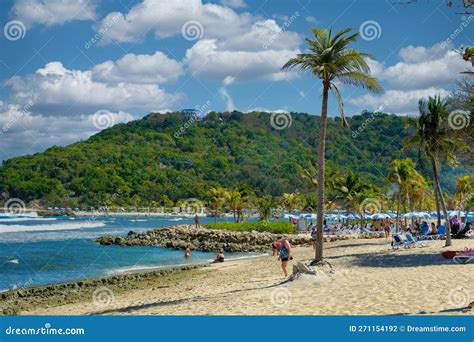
x,y
177,237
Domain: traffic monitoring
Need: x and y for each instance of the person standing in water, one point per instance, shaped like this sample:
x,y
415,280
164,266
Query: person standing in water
x,y
187,252
196,221
284,254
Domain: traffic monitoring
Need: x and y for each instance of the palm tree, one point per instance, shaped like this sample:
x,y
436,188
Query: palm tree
x,y
291,201
265,205
234,201
463,189
218,196
436,142
331,59
409,181
351,191
348,186
396,175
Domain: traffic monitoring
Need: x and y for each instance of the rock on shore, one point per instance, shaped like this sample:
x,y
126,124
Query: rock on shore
x,y
177,237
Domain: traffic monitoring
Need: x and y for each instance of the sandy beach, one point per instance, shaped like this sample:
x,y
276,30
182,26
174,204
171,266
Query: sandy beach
x,y
370,279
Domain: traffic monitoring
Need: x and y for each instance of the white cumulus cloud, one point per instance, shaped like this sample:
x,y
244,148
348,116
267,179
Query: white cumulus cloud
x,y
56,90
21,132
53,12
207,61
421,72
166,18
156,68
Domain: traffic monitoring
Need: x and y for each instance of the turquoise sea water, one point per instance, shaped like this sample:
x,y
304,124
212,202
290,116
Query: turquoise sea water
x,y
39,251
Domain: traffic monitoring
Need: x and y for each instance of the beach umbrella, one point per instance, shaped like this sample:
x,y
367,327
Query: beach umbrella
x,y
410,215
379,216
353,216
451,213
423,215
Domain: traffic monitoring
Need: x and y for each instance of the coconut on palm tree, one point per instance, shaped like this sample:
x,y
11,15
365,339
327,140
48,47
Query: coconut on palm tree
x,y
330,58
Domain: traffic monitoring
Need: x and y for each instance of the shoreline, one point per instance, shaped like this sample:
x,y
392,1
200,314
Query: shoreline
x,y
12,301
129,278
371,280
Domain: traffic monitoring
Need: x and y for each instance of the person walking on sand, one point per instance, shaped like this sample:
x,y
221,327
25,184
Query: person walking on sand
x,y
284,254
314,237
187,252
386,229
196,221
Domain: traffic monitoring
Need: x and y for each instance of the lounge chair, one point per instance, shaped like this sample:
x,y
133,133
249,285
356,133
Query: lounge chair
x,y
425,234
368,231
410,241
463,258
398,242
441,233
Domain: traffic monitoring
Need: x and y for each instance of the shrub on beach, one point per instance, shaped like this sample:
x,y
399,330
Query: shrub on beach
x,y
275,227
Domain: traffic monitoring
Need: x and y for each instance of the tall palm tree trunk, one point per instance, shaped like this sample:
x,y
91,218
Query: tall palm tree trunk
x,y
441,199
398,210
321,168
438,212
410,205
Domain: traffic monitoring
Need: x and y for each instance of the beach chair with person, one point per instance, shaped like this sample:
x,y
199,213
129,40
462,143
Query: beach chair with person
x,y
441,234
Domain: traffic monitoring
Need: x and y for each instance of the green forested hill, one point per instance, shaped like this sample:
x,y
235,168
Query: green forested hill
x,y
143,160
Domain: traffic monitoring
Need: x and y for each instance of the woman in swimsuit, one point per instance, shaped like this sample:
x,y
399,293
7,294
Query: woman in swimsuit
x,y
187,252
284,254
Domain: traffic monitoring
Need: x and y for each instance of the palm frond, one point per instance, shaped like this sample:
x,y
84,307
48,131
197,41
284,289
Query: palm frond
x,y
362,80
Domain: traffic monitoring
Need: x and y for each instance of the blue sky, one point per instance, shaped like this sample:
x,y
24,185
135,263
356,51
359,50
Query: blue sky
x,y
70,68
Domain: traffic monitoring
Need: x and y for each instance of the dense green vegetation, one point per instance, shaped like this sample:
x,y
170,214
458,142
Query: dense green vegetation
x,y
276,227
142,163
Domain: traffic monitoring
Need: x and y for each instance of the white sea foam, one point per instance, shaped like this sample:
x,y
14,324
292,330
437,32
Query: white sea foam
x,y
49,227
22,219
30,214
176,219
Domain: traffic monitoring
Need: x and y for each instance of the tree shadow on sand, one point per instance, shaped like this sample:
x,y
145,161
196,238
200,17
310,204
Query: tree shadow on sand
x,y
352,245
131,308
395,259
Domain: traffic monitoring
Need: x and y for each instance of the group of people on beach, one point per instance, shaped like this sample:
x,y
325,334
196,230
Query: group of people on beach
x,y
281,247
458,228
219,257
